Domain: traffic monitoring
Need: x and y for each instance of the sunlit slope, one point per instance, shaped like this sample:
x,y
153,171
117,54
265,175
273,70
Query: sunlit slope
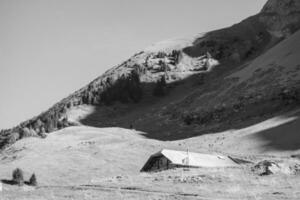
x,y
87,155
79,154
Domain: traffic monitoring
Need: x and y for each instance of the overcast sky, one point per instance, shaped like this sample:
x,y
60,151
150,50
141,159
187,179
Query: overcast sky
x,y
50,48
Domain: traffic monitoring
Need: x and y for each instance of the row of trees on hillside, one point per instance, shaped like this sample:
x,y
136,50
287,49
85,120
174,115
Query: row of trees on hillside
x,y
125,89
173,56
18,178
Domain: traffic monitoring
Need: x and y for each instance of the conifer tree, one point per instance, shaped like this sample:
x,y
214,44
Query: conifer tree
x,y
17,176
160,87
32,180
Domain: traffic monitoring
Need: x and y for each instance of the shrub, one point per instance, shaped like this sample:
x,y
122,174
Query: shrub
x,y
37,124
50,124
189,118
28,132
175,56
32,180
25,132
18,177
160,87
134,87
15,136
200,80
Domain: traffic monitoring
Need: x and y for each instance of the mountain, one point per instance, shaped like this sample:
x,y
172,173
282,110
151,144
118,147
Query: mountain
x,y
224,79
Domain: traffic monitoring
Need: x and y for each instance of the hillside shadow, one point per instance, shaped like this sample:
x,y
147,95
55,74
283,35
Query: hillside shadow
x,y
8,182
146,116
11,182
283,137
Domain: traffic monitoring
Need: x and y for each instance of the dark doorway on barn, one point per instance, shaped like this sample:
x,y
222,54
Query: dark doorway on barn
x,y
157,163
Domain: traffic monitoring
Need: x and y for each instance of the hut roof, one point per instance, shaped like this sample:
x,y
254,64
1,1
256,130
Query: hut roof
x,y
192,159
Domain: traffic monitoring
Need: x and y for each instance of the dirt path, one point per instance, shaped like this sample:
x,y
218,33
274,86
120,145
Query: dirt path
x,y
135,190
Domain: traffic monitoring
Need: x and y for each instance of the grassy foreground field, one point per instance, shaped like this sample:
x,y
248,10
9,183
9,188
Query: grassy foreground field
x,y
104,163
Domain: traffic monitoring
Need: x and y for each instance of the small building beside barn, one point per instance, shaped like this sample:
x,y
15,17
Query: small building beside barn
x,y
169,159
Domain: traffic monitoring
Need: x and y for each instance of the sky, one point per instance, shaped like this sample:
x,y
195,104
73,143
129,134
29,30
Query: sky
x,y
51,48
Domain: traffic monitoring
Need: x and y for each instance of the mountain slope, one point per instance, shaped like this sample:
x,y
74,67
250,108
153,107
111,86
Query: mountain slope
x,y
228,78
259,89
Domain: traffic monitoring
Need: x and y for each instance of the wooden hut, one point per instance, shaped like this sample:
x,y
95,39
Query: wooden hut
x,y
168,159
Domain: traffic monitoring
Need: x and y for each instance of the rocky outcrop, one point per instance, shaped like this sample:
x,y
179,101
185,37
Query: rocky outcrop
x,y
268,167
281,17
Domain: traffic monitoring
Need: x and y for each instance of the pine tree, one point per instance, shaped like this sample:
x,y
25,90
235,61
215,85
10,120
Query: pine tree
x,y
134,88
18,177
160,87
32,180
36,125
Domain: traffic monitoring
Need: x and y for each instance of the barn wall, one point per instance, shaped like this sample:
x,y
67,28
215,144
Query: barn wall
x,y
159,163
